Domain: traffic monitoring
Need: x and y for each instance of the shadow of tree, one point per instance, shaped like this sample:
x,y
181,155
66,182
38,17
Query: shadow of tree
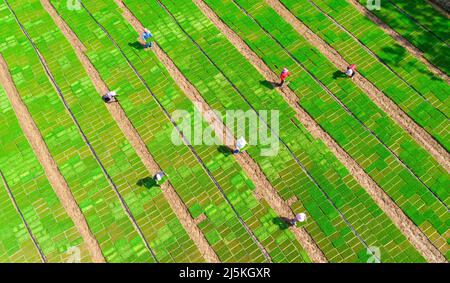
x,y
147,182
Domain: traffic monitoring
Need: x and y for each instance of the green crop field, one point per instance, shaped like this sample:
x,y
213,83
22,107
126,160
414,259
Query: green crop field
x,y
365,159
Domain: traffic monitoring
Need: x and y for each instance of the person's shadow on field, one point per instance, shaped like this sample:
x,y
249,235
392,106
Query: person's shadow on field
x,y
147,182
282,222
225,150
136,45
339,74
269,84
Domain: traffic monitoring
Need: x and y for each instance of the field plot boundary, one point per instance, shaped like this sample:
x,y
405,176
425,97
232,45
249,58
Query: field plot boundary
x,y
42,153
418,133
249,231
408,228
130,132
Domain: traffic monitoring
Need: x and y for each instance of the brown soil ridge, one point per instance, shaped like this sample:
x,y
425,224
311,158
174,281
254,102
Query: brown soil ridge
x,y
264,188
408,228
419,134
52,172
136,141
400,40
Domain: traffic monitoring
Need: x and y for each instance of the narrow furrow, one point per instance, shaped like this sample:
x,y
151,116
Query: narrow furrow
x,y
411,231
41,151
132,135
347,110
442,6
83,135
368,50
13,200
419,134
401,40
302,166
185,140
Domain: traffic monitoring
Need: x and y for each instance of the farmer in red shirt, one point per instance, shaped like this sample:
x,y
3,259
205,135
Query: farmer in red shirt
x,y
351,71
284,74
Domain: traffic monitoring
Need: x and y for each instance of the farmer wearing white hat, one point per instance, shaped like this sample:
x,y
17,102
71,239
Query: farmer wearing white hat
x,y
108,97
301,217
241,143
160,178
146,37
283,76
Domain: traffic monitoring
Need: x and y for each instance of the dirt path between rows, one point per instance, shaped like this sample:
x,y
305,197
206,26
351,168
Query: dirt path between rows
x,y
134,138
264,189
419,134
54,176
411,231
400,40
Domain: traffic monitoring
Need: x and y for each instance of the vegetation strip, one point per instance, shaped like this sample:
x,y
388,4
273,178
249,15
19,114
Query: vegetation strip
x,y
349,112
401,40
376,57
58,90
130,132
376,95
13,200
389,207
188,144
54,176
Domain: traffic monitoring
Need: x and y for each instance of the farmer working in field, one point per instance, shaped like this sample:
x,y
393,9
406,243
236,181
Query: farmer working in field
x,y
146,38
351,71
284,74
110,96
301,217
160,178
241,143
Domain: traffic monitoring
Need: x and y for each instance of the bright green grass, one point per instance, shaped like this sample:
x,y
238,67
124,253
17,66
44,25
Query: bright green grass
x,y
408,67
46,217
426,16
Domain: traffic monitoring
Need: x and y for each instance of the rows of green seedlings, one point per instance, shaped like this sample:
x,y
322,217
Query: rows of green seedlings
x,y
420,24
83,175
16,244
418,203
286,48
109,222
220,227
55,232
333,236
151,211
401,76
347,15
